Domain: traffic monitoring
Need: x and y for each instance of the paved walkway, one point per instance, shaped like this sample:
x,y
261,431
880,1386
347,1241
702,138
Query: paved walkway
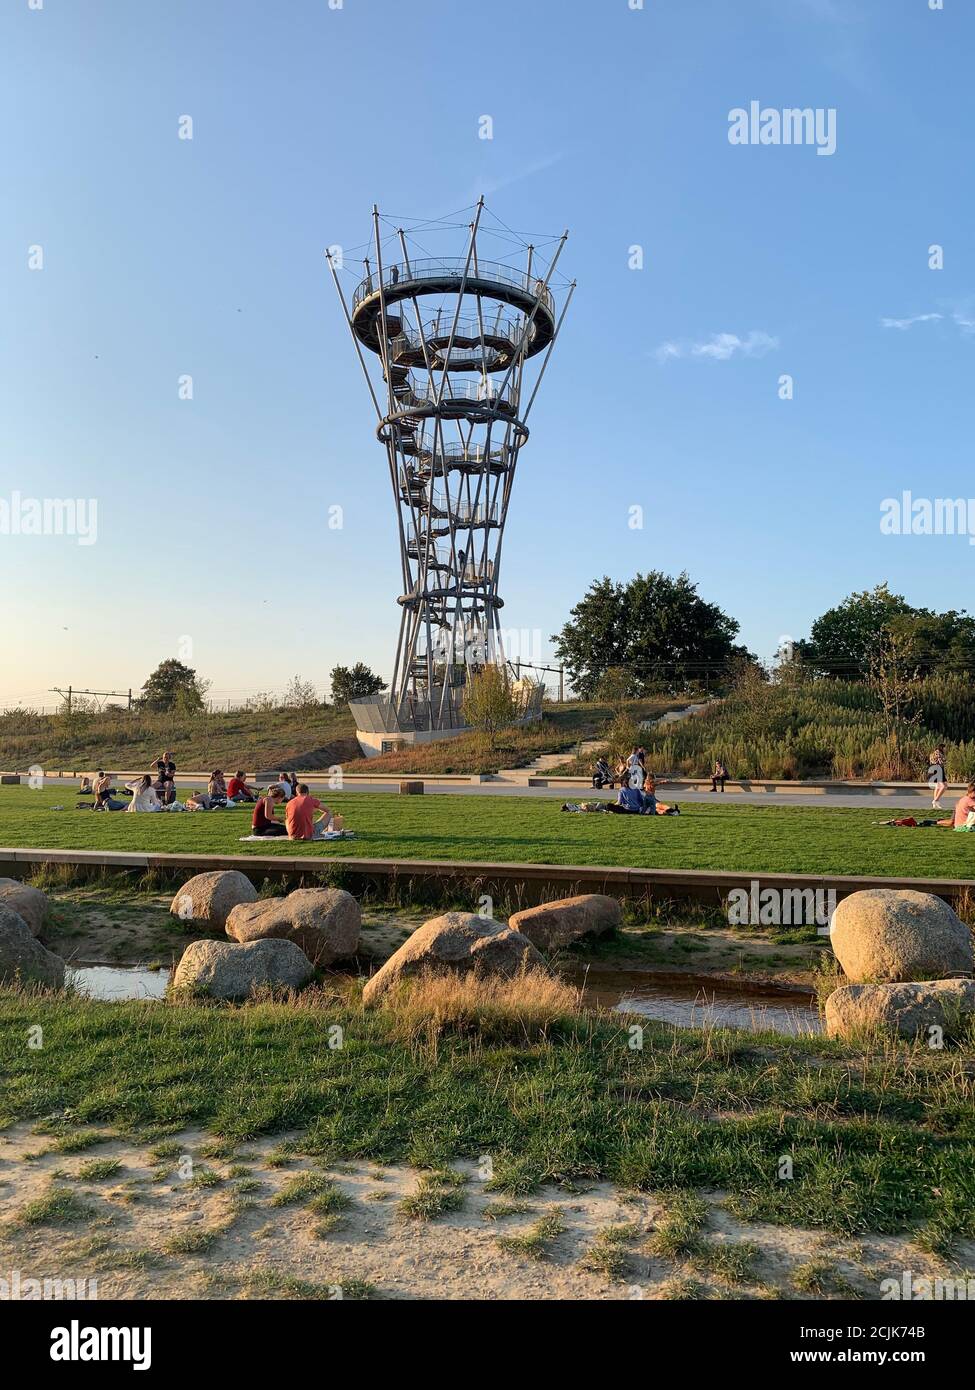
x,y
886,801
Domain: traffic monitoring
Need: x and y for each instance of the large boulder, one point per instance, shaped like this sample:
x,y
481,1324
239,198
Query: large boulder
x,y
224,970
904,1010
29,903
893,934
23,960
324,922
212,897
552,925
458,943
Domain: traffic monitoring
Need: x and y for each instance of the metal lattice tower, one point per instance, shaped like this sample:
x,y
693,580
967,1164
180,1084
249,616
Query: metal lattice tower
x,y
454,339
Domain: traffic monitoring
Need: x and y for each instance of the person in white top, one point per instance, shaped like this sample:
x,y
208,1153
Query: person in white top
x,y
635,766
284,782
144,797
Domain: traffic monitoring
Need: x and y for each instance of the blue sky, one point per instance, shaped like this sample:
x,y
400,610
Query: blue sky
x,y
164,256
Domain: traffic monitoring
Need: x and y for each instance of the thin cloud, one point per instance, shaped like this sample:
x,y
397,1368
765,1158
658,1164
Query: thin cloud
x,y
903,324
961,315
720,347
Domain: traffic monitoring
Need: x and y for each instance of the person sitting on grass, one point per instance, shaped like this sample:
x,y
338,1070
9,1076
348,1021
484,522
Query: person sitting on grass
x,y
300,814
964,810
217,788
86,788
165,783
144,797
238,790
102,787
657,808
284,782
262,821
629,802
199,801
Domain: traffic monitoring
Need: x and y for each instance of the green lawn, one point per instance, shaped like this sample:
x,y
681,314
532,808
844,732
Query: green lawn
x,y
787,839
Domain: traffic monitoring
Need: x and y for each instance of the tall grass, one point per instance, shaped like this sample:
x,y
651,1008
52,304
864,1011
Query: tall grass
x,y
529,1008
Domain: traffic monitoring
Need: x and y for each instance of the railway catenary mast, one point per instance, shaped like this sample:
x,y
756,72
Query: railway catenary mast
x,y
461,344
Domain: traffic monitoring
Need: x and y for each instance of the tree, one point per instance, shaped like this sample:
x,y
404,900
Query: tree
x,y
893,678
655,627
752,697
173,686
300,695
354,683
843,642
489,703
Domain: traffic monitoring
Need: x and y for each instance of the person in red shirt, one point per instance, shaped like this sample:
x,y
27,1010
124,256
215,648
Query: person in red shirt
x,y
299,813
238,790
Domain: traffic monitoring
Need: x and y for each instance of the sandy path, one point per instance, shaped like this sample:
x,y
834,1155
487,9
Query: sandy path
x,y
259,1250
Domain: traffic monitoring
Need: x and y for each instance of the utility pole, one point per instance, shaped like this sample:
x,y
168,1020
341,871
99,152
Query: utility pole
x,y
69,694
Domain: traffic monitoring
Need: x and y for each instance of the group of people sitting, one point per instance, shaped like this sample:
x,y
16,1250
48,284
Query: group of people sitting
x,y
637,793
299,814
156,791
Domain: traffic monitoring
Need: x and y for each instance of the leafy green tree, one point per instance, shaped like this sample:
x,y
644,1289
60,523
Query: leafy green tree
x,y
173,686
655,627
489,703
844,640
354,683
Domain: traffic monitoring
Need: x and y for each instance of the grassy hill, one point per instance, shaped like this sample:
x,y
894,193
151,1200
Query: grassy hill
x,y
120,739
279,738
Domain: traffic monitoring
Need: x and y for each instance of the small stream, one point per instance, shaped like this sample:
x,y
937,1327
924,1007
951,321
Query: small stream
x,y
693,1004
685,1003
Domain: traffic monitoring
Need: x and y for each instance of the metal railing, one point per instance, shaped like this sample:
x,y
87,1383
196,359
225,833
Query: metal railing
x,y
478,572
453,269
485,391
471,514
470,336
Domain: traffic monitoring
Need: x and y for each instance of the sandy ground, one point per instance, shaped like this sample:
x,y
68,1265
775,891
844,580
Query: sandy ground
x,y
258,1250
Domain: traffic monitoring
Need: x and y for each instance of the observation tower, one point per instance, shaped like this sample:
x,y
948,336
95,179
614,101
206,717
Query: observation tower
x,y
453,349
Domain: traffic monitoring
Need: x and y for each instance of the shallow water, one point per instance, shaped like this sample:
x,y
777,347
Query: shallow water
x,y
690,1004
687,1004
117,981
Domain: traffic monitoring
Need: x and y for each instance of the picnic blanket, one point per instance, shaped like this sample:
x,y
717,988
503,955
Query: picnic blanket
x,y
329,835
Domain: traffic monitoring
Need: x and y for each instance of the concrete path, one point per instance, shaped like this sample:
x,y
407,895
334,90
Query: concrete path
x,y
886,801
